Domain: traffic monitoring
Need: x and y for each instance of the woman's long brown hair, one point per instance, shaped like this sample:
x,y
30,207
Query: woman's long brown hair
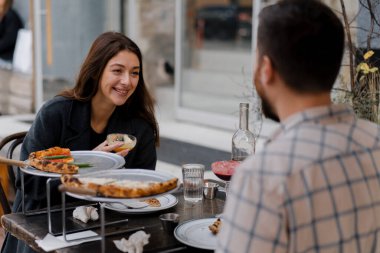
x,y
106,46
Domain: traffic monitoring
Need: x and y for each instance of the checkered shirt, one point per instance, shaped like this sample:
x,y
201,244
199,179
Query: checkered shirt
x,y
314,187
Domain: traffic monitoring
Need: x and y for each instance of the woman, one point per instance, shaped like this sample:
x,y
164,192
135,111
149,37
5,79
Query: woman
x,y
10,23
110,96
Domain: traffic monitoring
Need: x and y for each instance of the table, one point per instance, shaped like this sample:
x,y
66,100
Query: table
x,y
30,228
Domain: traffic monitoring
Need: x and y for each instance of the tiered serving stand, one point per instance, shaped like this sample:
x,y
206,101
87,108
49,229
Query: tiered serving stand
x,y
106,166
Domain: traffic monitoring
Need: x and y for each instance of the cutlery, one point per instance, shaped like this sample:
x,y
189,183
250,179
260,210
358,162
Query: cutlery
x,y
131,205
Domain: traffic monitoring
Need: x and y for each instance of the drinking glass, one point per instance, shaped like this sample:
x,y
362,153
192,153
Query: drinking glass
x,y
193,181
224,170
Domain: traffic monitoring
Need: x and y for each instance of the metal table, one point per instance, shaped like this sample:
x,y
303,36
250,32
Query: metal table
x,y
30,228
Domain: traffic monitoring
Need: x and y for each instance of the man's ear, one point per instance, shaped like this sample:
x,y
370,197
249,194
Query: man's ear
x,y
266,70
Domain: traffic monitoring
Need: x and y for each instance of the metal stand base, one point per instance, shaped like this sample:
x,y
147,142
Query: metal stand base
x,y
102,225
48,200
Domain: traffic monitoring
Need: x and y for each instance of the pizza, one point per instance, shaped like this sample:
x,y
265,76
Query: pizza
x,y
153,202
55,159
215,227
116,188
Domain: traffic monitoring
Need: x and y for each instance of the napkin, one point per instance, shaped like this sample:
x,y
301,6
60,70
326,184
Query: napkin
x,y
134,244
85,213
51,242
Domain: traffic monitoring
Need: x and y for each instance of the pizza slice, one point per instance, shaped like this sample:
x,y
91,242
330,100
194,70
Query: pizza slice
x,y
153,202
55,159
215,227
110,187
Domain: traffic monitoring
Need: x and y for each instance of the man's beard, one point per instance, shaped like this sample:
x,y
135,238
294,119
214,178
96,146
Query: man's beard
x,y
265,104
267,110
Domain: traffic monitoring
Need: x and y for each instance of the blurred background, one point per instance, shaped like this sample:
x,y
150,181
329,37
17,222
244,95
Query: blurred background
x,y
198,50
198,53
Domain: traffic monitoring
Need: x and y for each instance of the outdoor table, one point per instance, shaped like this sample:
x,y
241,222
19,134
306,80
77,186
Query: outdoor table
x,y
30,228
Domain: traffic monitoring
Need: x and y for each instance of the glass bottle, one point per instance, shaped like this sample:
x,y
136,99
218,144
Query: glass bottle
x,y
243,141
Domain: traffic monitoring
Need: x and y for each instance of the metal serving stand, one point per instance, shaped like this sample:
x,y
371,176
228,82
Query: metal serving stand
x,y
48,199
89,195
102,235
98,159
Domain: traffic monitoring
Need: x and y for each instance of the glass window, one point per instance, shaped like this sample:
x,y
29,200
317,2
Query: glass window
x,y
216,67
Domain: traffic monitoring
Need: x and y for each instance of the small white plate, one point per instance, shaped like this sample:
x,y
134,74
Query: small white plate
x,y
196,233
167,201
98,159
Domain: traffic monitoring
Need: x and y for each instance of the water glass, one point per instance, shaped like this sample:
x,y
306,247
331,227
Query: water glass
x,y
193,181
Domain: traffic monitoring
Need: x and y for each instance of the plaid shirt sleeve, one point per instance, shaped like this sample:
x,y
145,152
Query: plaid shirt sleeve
x,y
254,219
314,188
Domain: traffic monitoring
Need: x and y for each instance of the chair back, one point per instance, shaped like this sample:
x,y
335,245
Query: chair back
x,y
13,140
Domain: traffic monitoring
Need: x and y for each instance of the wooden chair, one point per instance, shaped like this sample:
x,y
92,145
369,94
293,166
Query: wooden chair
x,y
13,140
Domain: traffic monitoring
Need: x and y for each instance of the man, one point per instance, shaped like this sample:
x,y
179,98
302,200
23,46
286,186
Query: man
x,y
315,186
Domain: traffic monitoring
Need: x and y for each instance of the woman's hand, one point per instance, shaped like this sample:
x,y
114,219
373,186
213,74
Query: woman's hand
x,y
109,148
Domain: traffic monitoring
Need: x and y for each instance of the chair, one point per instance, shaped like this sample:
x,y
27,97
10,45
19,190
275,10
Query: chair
x,y
13,140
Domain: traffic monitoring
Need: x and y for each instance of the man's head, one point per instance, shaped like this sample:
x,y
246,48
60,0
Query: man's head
x,y
303,42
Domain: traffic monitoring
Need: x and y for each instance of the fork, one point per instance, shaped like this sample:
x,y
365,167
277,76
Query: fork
x,y
132,205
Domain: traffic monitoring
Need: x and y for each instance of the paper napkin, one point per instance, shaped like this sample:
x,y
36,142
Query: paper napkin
x,y
51,242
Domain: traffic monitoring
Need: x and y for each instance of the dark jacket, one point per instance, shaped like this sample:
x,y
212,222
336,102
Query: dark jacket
x,y
9,26
66,123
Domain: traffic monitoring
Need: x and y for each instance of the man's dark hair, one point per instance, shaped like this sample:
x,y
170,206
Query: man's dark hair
x,y
304,40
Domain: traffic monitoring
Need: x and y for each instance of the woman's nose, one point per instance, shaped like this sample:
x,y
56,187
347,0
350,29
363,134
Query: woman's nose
x,y
125,79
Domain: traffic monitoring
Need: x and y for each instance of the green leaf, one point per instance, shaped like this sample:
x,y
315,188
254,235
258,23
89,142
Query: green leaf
x,y
53,157
82,165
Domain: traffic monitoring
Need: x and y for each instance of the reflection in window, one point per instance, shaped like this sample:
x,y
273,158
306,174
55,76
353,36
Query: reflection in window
x,y
216,73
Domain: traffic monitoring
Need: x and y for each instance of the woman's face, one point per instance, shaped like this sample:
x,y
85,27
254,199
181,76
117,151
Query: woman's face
x,y
2,8
119,78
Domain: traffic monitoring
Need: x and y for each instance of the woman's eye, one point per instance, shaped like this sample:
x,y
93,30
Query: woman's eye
x,y
135,73
116,71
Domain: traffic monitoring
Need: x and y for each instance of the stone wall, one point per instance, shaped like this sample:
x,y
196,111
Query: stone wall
x,y
156,22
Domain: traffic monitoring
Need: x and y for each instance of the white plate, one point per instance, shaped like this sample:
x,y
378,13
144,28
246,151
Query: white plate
x,y
98,159
126,174
196,233
167,201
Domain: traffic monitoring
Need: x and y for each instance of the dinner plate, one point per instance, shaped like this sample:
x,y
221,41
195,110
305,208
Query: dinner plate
x,y
167,201
98,159
196,233
126,174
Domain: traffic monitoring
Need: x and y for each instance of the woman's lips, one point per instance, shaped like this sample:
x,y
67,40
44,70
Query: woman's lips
x,y
122,92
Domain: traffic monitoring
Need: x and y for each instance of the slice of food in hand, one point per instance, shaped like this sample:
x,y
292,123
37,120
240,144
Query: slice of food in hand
x,y
111,187
55,159
215,227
